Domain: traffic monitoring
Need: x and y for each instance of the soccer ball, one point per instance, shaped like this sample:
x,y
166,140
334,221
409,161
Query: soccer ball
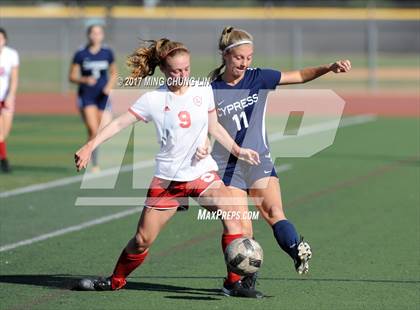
x,y
244,256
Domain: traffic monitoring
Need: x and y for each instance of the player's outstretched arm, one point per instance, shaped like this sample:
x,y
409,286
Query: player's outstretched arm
x,y
223,137
308,74
74,76
82,156
11,94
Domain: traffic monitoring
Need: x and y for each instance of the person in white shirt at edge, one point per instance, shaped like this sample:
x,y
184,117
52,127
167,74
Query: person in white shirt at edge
x,y
9,74
183,116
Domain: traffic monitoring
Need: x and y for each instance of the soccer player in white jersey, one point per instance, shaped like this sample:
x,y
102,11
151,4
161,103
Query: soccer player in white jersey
x,y
9,75
183,115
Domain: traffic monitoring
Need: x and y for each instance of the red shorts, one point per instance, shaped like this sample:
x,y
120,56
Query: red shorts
x,y
2,106
166,194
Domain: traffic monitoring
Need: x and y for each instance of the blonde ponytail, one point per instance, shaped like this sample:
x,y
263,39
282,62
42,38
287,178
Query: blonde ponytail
x,y
230,36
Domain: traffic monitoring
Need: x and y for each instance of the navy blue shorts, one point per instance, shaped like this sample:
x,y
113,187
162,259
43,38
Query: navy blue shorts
x,y
99,101
242,175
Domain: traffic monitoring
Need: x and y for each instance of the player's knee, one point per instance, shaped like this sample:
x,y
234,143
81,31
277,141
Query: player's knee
x,y
142,242
247,230
274,213
92,133
232,226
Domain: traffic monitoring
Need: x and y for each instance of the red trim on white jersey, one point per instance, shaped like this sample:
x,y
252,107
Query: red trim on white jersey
x,y
138,116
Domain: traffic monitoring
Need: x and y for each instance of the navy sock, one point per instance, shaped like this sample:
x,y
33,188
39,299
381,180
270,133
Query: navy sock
x,y
286,237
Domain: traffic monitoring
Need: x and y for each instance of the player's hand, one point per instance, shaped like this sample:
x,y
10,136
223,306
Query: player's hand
x,y
341,66
106,90
250,156
82,157
89,80
202,152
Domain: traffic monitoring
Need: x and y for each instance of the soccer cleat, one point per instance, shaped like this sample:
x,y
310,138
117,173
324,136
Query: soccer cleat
x,y
250,281
238,290
99,284
5,167
303,257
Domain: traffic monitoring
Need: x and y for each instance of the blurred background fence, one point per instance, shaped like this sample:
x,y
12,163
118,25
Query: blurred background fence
x,y
381,38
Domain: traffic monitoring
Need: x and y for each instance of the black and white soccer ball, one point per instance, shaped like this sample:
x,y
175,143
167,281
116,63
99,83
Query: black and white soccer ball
x,y
244,256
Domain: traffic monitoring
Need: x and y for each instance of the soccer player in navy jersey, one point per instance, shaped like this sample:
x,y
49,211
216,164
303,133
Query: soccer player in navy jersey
x,y
240,94
93,69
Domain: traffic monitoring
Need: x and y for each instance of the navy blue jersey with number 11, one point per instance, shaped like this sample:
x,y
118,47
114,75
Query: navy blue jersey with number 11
x,y
241,111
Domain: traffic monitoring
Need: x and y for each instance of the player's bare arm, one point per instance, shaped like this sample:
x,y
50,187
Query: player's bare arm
x,y
223,137
312,73
74,76
83,155
11,97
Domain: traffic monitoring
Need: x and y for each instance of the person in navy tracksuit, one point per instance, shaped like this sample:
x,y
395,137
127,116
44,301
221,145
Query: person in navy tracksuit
x,y
93,69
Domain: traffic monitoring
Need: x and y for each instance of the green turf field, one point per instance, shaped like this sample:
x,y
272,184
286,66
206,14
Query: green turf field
x,y
357,203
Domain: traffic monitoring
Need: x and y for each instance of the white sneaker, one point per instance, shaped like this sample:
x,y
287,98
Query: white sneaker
x,y
304,255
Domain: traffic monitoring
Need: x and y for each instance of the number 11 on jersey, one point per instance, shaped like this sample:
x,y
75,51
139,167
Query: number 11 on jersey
x,y
237,119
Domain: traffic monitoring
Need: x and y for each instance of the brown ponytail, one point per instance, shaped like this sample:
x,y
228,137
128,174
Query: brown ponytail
x,y
230,35
144,60
3,31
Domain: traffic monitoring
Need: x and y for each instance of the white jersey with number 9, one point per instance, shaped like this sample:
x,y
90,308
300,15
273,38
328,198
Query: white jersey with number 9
x,y
181,123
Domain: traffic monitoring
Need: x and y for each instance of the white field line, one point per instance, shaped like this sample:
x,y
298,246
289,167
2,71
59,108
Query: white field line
x,y
349,121
93,201
345,122
76,179
325,126
139,200
70,229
